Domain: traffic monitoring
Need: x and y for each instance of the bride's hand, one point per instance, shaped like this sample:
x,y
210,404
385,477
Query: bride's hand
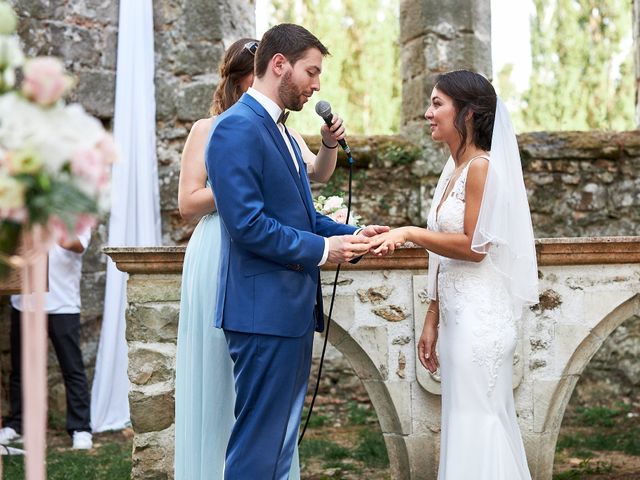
x,y
427,343
386,243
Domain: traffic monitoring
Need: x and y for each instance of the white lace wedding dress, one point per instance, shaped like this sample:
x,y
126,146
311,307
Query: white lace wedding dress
x,y
480,435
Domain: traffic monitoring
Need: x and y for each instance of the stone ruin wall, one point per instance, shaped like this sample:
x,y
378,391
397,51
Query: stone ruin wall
x,y
579,184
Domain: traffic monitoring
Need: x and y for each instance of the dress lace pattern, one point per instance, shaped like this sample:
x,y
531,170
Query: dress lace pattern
x,y
473,292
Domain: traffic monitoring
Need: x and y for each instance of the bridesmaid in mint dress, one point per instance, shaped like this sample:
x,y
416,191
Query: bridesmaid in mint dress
x,y
205,393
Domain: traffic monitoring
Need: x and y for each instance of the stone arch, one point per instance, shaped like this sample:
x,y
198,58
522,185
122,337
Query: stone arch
x,y
370,365
582,354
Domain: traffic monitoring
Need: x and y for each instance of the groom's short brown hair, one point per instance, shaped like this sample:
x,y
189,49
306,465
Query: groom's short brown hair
x,y
290,40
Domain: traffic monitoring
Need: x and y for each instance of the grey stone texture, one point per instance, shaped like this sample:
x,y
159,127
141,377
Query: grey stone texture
x,y
433,40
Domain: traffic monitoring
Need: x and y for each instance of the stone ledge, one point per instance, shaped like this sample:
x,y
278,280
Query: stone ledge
x,y
551,251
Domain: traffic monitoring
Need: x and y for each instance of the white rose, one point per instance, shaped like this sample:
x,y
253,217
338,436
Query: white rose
x,y
11,193
332,204
11,55
25,125
8,19
55,133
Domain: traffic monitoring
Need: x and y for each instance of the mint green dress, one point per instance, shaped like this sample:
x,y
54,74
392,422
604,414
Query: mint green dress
x,y
204,394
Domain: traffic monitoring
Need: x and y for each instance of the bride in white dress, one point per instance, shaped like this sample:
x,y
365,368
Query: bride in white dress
x,y
482,271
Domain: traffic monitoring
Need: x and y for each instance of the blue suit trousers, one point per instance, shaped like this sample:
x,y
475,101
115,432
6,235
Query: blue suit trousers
x,y
269,402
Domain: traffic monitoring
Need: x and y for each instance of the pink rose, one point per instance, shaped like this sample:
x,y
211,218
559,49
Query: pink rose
x,y
45,81
339,216
90,165
19,215
107,146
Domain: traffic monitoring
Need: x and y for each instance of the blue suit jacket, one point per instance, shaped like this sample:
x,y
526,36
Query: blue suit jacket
x,y
272,235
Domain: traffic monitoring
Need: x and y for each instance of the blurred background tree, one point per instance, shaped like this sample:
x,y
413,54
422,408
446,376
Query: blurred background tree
x,y
582,77
361,77
582,58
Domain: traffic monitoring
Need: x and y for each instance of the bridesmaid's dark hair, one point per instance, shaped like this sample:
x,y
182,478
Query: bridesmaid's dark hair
x,y
470,91
236,64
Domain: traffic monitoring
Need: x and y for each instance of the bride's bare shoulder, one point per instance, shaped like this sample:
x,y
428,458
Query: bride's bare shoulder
x,y
203,125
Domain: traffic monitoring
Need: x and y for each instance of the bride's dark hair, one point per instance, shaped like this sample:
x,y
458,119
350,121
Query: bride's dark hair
x,y
236,64
471,92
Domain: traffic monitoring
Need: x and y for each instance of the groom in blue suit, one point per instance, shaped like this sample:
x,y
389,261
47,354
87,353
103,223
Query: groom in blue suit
x,y
274,242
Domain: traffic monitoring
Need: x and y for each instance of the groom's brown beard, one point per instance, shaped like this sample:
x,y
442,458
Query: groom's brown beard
x,y
290,94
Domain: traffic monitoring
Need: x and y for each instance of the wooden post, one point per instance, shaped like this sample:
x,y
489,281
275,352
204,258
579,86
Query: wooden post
x,y
34,353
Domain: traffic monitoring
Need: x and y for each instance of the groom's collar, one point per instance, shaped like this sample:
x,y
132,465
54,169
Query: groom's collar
x,y
269,105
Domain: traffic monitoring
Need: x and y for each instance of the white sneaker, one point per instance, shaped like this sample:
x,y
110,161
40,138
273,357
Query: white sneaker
x,y
82,441
9,435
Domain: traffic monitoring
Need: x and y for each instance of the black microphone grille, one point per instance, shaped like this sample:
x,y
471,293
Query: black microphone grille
x,y
323,108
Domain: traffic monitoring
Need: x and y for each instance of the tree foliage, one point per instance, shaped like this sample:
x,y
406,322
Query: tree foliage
x,y
582,77
361,77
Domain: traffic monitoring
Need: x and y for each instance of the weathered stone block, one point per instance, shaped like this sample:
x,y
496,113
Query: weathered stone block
x,y
151,363
424,454
550,398
92,293
40,9
96,92
392,401
77,45
412,20
202,21
152,322
397,452
153,455
425,411
110,51
194,99
169,175
198,58
151,411
153,288
167,89
167,12
104,11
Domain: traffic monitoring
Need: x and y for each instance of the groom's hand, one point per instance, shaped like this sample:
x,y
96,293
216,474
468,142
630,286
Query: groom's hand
x,y
343,248
373,230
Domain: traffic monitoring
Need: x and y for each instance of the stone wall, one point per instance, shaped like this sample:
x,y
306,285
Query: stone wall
x,y
579,183
589,290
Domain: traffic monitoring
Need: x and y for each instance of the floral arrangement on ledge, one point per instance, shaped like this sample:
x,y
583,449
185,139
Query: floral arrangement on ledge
x,y
335,208
54,158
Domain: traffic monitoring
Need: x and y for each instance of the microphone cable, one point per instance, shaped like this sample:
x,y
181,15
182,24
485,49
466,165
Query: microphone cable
x,y
333,297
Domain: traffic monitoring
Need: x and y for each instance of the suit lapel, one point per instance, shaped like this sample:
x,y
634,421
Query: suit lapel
x,y
300,180
271,127
304,179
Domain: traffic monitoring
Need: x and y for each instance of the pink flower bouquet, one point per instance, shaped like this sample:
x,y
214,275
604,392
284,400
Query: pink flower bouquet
x,y
54,158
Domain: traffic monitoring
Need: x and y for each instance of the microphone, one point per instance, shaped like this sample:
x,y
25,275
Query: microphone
x,y
324,110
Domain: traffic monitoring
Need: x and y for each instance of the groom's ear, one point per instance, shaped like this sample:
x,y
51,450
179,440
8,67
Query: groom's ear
x,y
278,62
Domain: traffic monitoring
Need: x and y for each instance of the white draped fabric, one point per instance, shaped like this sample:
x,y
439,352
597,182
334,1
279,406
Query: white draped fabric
x,y
135,205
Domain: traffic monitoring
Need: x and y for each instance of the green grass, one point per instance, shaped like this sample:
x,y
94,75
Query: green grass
x,y
622,441
371,449
326,450
317,419
601,416
105,462
359,415
586,467
602,429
